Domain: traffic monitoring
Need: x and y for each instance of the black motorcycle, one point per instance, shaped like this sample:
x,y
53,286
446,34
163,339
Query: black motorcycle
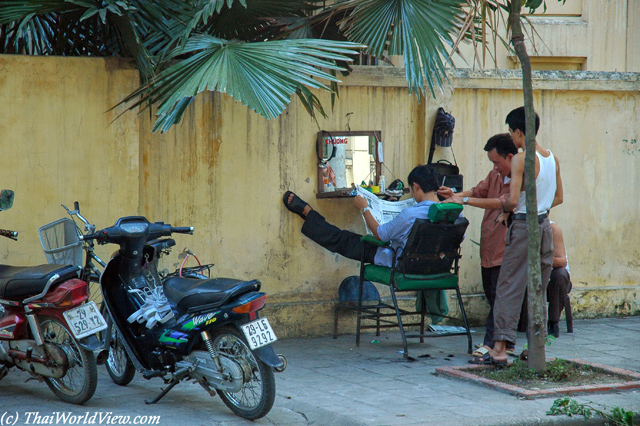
x,y
188,328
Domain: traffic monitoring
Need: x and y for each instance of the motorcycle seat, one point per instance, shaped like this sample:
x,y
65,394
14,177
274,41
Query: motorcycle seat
x,y
189,294
19,282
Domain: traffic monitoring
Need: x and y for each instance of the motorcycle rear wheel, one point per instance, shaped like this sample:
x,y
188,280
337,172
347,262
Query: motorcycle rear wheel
x,y
78,385
257,395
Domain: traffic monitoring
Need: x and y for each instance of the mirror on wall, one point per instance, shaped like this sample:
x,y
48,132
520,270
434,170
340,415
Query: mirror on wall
x,y
346,159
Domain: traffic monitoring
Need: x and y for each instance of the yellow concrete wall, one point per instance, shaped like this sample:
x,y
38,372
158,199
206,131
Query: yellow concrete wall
x,y
595,135
605,32
59,145
224,170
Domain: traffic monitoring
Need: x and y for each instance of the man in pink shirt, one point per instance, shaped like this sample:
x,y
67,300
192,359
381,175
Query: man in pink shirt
x,y
490,195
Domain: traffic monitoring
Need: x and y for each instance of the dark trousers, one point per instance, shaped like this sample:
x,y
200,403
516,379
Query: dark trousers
x,y
336,240
489,282
559,286
512,284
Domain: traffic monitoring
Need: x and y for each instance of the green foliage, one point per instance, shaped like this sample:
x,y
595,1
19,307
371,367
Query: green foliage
x,y
184,47
413,28
570,407
558,370
519,370
260,52
102,8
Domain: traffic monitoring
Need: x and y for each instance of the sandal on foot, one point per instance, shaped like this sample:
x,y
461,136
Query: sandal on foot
x,y
511,351
296,205
487,359
480,352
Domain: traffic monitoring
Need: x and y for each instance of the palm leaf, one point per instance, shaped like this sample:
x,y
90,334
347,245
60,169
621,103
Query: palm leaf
x,y
262,76
418,29
17,10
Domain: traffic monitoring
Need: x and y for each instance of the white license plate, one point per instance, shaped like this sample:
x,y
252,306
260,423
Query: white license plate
x,y
259,333
85,320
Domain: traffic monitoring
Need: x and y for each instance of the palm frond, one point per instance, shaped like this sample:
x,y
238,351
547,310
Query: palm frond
x,y
262,76
18,10
418,29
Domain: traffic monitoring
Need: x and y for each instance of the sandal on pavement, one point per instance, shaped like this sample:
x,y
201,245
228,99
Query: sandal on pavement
x,y
511,351
487,359
296,205
480,352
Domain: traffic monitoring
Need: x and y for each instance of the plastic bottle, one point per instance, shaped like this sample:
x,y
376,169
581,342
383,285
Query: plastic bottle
x,y
382,184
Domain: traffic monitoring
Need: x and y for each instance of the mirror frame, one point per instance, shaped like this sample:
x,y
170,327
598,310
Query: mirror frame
x,y
344,192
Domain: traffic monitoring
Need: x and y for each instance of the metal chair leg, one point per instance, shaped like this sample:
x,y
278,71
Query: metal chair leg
x,y
466,323
402,333
360,291
423,311
568,314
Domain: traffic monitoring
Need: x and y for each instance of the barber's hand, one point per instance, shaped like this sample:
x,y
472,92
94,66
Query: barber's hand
x,y
453,199
360,202
503,217
445,192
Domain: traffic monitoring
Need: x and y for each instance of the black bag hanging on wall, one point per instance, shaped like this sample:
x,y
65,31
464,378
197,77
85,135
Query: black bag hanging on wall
x,y
447,174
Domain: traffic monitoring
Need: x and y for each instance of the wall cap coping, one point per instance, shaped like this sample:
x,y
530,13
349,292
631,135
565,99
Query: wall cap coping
x,y
464,78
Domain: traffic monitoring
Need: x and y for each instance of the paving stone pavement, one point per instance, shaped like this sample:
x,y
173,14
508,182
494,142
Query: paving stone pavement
x,y
332,382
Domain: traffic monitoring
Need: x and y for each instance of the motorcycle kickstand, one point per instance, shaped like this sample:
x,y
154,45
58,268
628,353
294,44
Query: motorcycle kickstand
x,y
203,382
175,379
3,372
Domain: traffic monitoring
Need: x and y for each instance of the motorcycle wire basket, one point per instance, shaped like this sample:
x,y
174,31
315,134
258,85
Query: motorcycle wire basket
x,y
60,242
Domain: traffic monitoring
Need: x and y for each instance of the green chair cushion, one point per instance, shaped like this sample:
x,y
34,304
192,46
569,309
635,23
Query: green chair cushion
x,y
370,239
448,212
382,274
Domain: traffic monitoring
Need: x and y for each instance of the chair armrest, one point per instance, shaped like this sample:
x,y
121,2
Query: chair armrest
x,y
370,239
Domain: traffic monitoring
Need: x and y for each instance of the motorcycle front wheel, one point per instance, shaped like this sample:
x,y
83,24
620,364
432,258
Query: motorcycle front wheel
x,y
78,385
119,366
255,399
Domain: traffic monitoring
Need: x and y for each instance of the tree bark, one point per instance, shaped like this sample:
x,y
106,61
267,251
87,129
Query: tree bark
x,y
536,330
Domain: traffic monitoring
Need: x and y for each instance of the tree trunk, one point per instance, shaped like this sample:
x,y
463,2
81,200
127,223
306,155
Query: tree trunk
x,y
536,329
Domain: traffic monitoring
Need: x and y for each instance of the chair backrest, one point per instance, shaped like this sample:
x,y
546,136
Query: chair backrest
x,y
448,212
433,247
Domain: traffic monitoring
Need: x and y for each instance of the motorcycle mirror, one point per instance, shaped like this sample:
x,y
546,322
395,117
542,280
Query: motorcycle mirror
x,y
6,199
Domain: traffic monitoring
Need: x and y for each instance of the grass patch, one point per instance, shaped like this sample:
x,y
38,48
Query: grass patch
x,y
559,372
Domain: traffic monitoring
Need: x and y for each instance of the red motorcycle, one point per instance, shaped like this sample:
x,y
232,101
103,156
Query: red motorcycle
x,y
46,328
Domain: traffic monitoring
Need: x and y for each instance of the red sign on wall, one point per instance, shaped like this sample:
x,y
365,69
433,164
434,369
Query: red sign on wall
x,y
335,141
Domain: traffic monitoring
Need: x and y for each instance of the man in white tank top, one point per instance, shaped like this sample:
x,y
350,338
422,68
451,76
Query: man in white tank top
x,y
512,283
